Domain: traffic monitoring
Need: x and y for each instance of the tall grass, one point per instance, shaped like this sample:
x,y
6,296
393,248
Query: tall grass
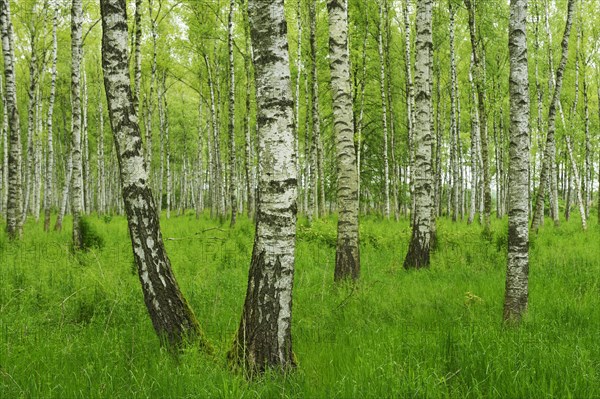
x,y
75,326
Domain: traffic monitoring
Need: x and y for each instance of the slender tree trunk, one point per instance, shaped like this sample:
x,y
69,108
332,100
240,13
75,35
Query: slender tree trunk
x,y
474,148
299,69
316,123
264,337
65,192
137,57
14,227
548,171
453,125
409,101
347,264
479,66
151,96
31,108
200,163
231,124
382,76
76,177
85,149
540,102
250,98
4,138
361,112
515,300
419,247
171,316
49,126
100,157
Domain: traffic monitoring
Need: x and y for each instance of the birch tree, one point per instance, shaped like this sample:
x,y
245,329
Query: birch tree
x,y
76,176
419,247
347,258
171,316
548,170
231,119
14,227
49,126
264,337
515,300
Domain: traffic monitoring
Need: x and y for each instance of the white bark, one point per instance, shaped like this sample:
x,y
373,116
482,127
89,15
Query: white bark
x,y
382,76
14,228
268,305
515,301
347,264
419,247
76,177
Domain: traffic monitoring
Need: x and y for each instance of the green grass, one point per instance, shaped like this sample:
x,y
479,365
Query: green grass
x,y
76,326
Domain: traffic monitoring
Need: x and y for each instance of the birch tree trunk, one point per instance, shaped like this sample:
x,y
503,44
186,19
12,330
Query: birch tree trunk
x,y
382,75
14,227
479,66
516,294
316,123
419,247
231,122
264,337
200,164
171,316
100,157
474,148
4,138
137,57
248,146
347,259
49,126
409,101
65,192
453,125
76,177
31,107
548,172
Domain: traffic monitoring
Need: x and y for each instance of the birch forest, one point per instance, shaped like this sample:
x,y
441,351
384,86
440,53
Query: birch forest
x,y
300,198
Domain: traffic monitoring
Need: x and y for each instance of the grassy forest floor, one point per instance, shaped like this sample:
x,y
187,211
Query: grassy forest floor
x,y
76,326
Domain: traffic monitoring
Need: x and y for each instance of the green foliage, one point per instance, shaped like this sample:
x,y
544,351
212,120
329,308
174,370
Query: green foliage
x,y
89,234
432,333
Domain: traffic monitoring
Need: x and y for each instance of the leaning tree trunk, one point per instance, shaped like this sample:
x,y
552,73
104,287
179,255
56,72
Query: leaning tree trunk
x,y
171,316
50,150
515,300
264,337
76,176
419,247
14,227
347,259
231,119
548,172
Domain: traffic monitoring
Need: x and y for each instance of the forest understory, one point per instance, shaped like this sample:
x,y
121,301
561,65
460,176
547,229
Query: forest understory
x,y
75,326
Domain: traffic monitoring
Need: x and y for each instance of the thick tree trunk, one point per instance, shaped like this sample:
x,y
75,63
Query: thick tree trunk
x,y
548,170
76,176
264,338
515,300
419,247
48,187
347,263
14,227
171,316
231,119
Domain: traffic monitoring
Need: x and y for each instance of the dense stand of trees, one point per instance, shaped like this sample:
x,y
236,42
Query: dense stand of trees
x,y
420,109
